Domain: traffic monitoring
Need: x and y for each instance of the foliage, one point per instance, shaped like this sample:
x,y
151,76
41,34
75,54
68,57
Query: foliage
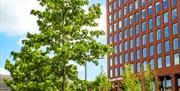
x,y
142,81
62,35
130,81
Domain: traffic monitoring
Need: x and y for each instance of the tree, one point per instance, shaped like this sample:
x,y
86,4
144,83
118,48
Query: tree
x,y
62,35
145,80
130,81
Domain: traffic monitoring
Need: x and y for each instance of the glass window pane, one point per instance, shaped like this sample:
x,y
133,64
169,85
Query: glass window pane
x,y
138,54
131,43
137,41
126,57
175,43
159,49
174,14
120,59
151,50
173,2
131,32
158,20
150,21
143,26
136,16
136,4
167,61
151,37
175,28
119,13
176,58
110,61
165,17
150,11
152,64
165,4
144,39
137,29
145,65
116,71
167,46
138,67
157,7
158,34
132,56
166,32
132,68
144,52
143,14
120,71
159,62
120,47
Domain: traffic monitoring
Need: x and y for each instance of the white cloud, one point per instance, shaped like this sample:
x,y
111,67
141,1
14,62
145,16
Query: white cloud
x,y
4,71
15,19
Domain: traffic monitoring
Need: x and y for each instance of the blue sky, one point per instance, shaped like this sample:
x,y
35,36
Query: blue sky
x,y
15,22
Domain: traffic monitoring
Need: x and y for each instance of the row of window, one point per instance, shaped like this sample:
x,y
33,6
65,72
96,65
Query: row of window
x,y
134,6
131,19
144,53
129,33
152,65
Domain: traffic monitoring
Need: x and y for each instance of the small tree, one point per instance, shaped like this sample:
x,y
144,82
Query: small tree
x,y
130,81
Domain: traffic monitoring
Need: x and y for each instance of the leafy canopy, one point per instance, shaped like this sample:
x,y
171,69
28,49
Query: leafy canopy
x,y
61,35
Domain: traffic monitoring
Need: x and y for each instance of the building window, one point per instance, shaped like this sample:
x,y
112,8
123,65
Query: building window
x,y
125,34
115,49
137,29
165,17
174,14
119,13
143,15
159,62
158,20
144,39
131,19
158,34
150,21
111,73
110,39
132,56
150,11
137,41
120,35
151,37
120,47
110,29
138,55
144,52
132,68
125,45
145,65
120,71
124,1
125,22
110,61
130,7
143,26
115,60
131,32
136,4
142,2
157,7
126,57
175,43
167,61
131,43
165,4
173,2
110,18
159,49
120,59
138,67
114,5
114,15
151,50
136,16
167,46
166,32
110,7
175,28
114,26
149,1
152,63
176,58
119,3
116,71
114,37
125,11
